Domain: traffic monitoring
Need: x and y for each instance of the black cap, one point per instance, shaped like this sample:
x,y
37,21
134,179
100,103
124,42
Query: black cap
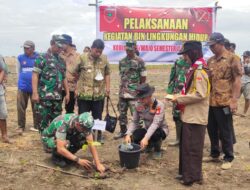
x,y
215,37
246,54
67,39
98,43
189,45
144,90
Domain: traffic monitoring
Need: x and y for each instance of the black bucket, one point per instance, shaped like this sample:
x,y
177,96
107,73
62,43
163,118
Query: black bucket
x,y
130,158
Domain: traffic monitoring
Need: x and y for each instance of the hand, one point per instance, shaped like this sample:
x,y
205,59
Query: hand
x,y
144,143
233,105
127,139
85,163
171,98
67,98
100,168
174,100
35,97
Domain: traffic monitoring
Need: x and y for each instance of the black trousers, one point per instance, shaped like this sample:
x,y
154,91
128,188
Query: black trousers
x,y
220,127
96,107
158,135
71,105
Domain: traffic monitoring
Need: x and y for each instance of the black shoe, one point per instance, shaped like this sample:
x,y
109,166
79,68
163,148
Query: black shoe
x,y
119,135
59,161
189,183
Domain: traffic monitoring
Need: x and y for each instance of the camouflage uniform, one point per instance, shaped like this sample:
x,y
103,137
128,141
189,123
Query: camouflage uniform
x,y
176,83
51,69
63,127
131,71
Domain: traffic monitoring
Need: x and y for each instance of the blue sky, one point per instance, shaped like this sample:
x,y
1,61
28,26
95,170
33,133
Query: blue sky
x,y
22,20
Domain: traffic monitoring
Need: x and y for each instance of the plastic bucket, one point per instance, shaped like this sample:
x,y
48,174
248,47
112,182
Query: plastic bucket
x,y
130,158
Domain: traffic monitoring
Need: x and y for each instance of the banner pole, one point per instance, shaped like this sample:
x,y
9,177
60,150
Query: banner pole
x,y
96,9
215,14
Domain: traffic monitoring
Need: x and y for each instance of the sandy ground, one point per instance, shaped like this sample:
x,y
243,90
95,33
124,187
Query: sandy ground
x,y
18,161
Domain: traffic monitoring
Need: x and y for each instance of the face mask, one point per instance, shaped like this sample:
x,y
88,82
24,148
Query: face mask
x,y
99,76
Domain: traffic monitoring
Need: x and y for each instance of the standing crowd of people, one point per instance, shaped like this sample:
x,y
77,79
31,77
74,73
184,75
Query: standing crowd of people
x,y
204,95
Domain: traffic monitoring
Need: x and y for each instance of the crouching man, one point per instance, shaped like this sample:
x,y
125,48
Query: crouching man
x,y
149,133
66,135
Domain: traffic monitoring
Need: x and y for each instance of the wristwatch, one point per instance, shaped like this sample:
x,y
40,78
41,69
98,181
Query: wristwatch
x,y
76,159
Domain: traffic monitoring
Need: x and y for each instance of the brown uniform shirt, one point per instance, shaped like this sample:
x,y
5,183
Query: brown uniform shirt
x,y
88,68
196,100
70,59
223,70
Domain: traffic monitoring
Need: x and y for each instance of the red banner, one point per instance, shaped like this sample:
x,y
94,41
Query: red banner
x,y
148,25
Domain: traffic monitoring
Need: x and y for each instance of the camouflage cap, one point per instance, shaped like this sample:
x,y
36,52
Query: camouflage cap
x,y
59,40
86,120
130,45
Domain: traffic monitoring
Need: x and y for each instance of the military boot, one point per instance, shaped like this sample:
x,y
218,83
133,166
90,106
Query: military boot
x,y
122,133
178,134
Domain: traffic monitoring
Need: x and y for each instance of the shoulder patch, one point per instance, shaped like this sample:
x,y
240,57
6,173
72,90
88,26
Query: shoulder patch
x,y
199,78
158,110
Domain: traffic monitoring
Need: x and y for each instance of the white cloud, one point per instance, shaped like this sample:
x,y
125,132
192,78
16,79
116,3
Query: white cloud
x,y
236,5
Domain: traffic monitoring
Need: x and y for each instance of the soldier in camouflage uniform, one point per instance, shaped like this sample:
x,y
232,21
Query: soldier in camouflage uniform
x,y
176,83
132,72
66,135
47,80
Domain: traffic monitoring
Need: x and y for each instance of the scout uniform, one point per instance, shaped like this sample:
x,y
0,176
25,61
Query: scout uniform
x,y
51,69
63,128
194,99
153,116
131,71
175,85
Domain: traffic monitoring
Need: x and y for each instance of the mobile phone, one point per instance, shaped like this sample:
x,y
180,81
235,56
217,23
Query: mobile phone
x,y
226,110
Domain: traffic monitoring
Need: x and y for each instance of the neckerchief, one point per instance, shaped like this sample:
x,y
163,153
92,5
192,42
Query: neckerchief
x,y
189,78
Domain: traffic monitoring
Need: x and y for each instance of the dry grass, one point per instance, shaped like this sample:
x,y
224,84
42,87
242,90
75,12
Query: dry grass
x,y
18,170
